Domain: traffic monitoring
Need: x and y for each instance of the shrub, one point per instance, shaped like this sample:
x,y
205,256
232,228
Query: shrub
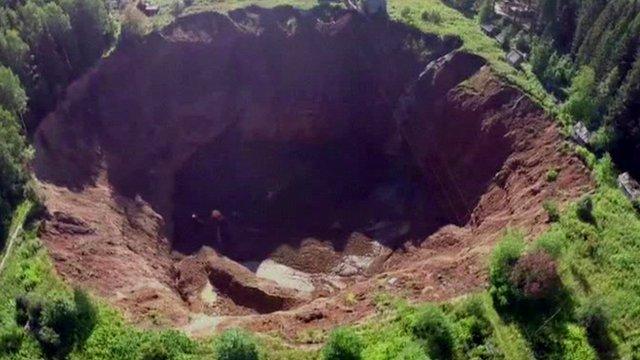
x,y
553,242
236,345
587,157
486,12
504,257
552,175
595,318
605,171
57,324
553,215
154,351
431,16
343,344
535,276
11,339
58,330
575,345
430,325
395,347
86,313
585,209
472,326
406,13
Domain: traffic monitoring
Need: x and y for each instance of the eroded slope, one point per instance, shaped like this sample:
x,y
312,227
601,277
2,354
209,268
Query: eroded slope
x,y
336,145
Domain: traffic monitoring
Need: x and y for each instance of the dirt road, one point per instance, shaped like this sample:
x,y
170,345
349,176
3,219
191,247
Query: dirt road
x,y
16,227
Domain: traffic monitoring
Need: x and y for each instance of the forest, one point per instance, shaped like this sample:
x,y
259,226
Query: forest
x,y
44,46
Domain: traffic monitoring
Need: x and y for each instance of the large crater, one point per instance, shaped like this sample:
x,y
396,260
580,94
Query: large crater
x,y
326,139
282,120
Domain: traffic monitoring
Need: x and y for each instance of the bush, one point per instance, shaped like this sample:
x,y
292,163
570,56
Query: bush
x,y
486,12
575,345
587,157
58,329
535,276
343,344
553,242
553,215
595,318
395,347
154,352
236,345
581,105
11,339
86,313
503,259
472,325
430,325
552,175
431,16
57,324
585,209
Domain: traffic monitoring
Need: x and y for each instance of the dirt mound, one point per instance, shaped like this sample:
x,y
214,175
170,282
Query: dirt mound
x,y
333,145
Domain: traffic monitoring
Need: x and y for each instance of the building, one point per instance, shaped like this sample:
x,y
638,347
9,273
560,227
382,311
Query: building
x,y
629,186
374,7
147,8
580,134
515,58
490,30
368,7
501,38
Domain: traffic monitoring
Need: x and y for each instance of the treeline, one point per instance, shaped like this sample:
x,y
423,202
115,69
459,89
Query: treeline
x,y
44,45
590,50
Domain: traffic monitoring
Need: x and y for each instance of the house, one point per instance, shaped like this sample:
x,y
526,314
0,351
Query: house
x,y
490,30
515,58
580,134
629,186
501,38
368,7
373,7
147,8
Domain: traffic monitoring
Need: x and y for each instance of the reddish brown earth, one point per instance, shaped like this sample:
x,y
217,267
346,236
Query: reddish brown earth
x,y
314,133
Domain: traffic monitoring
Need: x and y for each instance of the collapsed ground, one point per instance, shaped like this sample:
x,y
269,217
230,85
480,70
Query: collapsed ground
x,y
349,155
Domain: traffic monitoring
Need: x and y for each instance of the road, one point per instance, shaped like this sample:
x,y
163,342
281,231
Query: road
x,y
16,227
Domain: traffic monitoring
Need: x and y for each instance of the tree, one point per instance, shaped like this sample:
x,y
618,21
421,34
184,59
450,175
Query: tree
x,y
12,96
58,324
585,209
13,157
486,12
14,52
535,276
540,54
93,28
236,345
503,259
433,328
343,344
581,104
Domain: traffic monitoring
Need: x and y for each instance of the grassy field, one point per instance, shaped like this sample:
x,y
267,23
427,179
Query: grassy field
x,y
601,260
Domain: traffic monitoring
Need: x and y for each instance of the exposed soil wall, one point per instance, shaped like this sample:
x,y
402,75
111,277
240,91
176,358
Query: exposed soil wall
x,y
281,120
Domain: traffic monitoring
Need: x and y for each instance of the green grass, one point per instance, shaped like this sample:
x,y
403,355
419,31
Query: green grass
x,y
602,260
475,41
